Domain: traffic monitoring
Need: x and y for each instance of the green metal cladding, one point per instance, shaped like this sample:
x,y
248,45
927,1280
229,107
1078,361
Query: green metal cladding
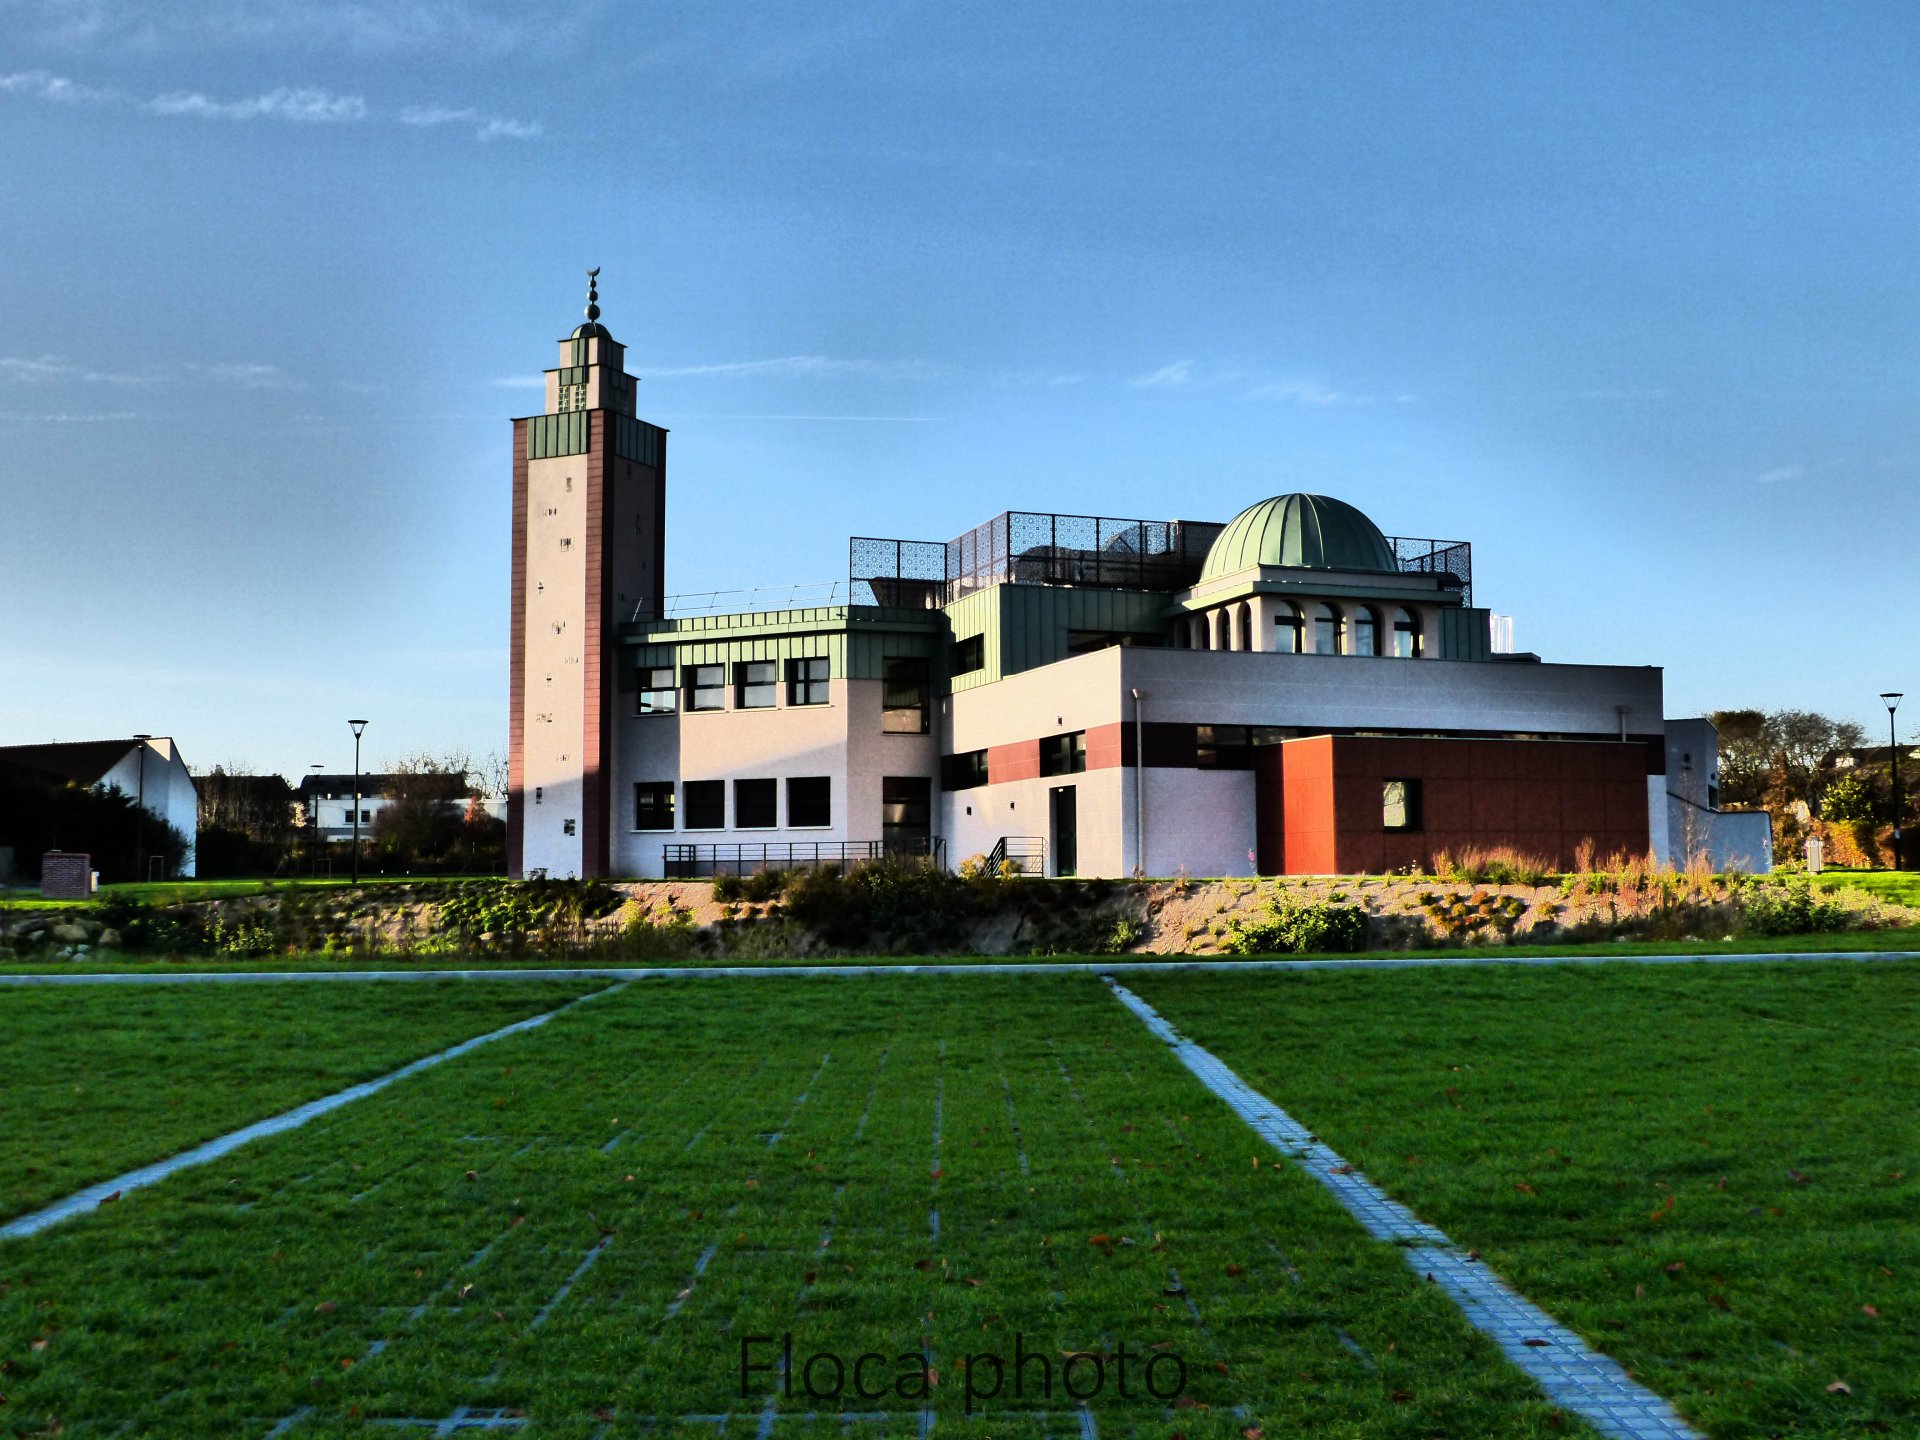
x,y
1314,532
1027,626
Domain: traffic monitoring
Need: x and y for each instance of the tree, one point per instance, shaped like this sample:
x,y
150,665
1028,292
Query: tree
x,y
1745,755
422,823
1850,798
1776,757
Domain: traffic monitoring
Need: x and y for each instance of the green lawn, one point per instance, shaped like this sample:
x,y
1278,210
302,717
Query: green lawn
x,y
582,1223
1713,1174
97,1082
180,892
1902,886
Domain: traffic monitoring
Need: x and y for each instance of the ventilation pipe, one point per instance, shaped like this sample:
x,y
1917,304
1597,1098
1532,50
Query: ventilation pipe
x,y
1139,788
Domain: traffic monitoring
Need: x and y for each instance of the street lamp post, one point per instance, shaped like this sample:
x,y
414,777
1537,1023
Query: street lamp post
x,y
1891,699
358,726
313,819
140,816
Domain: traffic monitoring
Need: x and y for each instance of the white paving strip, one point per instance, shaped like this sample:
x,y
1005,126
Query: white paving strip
x,y
989,967
1573,1376
94,1195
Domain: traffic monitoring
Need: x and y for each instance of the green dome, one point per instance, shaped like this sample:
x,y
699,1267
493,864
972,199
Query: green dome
x,y
1315,532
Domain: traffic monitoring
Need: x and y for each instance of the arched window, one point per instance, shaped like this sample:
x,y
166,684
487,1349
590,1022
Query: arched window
x,y
1222,639
1243,623
1329,630
1408,642
1289,636
1366,631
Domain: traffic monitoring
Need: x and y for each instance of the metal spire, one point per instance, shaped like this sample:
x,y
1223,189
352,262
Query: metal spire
x,y
593,294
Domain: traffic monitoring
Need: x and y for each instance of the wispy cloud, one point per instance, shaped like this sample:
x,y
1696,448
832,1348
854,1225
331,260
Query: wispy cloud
x,y
808,366
249,377
1041,377
305,106
484,127
365,27
45,368
63,417
1303,390
295,104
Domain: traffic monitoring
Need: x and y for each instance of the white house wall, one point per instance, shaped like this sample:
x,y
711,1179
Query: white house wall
x,y
170,794
554,735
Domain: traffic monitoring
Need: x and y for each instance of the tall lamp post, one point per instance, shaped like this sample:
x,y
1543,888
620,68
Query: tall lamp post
x,y
358,726
140,816
1891,699
313,819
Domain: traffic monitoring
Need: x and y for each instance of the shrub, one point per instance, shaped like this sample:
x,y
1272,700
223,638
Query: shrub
x,y
1291,926
1787,907
1501,865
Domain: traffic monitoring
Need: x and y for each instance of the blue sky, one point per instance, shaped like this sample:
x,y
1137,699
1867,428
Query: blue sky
x,y
1627,295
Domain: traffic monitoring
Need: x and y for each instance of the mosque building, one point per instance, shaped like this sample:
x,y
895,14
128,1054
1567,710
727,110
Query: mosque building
x,y
1292,692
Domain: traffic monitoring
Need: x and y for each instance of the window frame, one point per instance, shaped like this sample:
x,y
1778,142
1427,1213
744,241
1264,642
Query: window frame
x,y
686,804
1326,613
741,805
1410,802
743,685
803,684
1406,622
1064,754
969,655
923,709
1290,622
658,788
696,688
1367,619
646,701
795,807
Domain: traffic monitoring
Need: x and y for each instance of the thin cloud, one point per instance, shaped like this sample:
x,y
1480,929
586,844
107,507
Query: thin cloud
x,y
293,104
1303,390
249,377
1310,393
303,106
1781,474
805,367
484,127
1041,377
46,368
63,417
1167,377
435,26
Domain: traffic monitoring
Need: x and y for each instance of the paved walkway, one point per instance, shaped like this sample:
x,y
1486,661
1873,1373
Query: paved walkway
x,y
986,967
82,1201
1574,1377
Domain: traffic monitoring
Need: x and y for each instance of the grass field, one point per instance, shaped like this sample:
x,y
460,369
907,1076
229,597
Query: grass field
x,y
92,1085
181,892
1902,886
580,1225
1713,1174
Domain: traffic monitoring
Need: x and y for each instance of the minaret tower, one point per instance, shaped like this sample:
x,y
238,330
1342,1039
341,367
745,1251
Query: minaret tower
x,y
589,536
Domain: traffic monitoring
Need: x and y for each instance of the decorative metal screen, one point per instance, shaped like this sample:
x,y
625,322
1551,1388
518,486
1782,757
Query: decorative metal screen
x,y
909,574
1437,557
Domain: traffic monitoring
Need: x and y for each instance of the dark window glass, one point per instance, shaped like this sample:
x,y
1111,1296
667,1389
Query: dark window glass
x,y
1366,632
807,681
969,654
904,701
1223,747
1287,628
757,685
1064,754
1400,804
657,694
706,687
653,805
706,802
906,814
964,771
754,803
809,801
1329,631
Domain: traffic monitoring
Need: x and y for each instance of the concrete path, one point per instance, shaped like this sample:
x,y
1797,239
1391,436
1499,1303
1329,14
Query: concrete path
x,y
1115,966
1573,1376
93,1196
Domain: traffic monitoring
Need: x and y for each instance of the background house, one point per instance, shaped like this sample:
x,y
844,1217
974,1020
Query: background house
x,y
55,795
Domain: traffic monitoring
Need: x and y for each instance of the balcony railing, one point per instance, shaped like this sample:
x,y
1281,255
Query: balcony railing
x,y
702,862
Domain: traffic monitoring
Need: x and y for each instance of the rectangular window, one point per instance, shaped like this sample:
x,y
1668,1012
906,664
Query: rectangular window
x,y
755,685
706,802
657,693
566,827
753,804
807,681
653,805
1064,754
969,654
965,770
706,687
1223,747
1400,804
906,814
905,697
809,802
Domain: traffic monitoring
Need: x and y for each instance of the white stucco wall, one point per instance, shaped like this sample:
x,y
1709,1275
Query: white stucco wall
x,y
554,734
169,788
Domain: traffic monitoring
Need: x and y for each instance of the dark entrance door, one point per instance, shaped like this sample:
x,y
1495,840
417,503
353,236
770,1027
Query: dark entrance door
x,y
906,814
1065,842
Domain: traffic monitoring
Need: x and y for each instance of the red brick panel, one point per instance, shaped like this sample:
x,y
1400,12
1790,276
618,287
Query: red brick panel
x,y
1019,761
1106,746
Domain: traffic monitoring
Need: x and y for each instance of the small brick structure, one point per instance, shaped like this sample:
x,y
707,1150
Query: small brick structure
x,y
66,875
